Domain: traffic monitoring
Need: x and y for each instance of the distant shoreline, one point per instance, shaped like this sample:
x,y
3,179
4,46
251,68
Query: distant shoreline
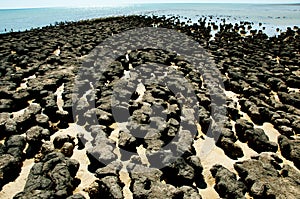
x,y
137,4
272,16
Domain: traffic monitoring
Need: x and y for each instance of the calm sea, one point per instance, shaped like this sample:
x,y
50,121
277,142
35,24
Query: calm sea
x,y
272,16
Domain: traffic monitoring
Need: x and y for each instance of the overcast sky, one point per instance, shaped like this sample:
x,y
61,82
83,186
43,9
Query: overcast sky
x,y
88,3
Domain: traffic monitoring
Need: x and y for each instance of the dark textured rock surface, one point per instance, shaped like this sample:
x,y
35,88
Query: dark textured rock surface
x,y
52,177
36,134
149,185
11,157
231,149
106,187
241,126
108,184
227,184
265,178
8,164
290,149
259,141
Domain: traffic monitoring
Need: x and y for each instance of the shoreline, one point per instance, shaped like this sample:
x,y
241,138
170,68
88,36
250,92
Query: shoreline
x,y
257,28
280,18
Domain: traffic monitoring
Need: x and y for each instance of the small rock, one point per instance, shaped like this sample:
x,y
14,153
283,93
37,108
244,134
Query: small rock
x,y
290,149
36,134
60,140
227,184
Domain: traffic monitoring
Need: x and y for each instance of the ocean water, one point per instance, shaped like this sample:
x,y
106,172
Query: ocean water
x,y
272,16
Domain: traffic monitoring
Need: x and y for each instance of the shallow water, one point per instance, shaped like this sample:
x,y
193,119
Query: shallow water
x,y
272,16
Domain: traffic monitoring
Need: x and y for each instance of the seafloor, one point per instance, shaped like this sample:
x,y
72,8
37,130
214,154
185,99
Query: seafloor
x,y
52,136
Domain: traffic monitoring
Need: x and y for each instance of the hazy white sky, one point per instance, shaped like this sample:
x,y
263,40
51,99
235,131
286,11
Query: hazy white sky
x,y
87,3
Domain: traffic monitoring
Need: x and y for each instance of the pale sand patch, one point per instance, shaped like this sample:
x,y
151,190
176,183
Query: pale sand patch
x,y
114,136
83,174
12,188
126,74
57,51
141,89
296,90
247,196
270,131
248,152
297,73
123,174
125,178
246,116
59,99
208,160
142,153
275,96
199,130
232,95
215,155
174,66
24,84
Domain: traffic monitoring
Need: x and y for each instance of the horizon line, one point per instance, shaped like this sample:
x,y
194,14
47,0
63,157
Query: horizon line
x,y
145,3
